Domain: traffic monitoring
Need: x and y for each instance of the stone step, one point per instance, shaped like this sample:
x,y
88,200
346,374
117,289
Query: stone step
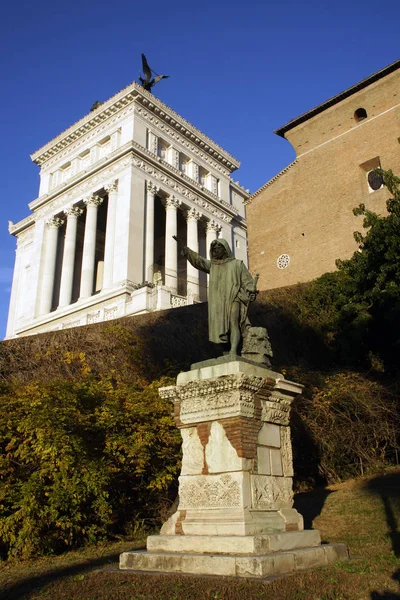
x,y
238,565
234,544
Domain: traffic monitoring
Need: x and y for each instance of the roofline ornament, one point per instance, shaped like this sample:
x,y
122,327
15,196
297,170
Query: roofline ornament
x,y
131,94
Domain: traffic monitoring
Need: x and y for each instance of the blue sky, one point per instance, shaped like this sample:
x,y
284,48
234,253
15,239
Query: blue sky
x,y
238,70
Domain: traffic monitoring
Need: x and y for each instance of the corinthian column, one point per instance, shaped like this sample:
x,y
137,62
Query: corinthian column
x,y
89,246
151,192
171,247
112,190
49,266
67,270
193,290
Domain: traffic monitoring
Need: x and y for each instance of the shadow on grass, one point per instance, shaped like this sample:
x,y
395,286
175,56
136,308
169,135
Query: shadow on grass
x,y
310,504
24,587
388,488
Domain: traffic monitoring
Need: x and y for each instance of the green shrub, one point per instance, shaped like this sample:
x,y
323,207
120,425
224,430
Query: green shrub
x,y
343,424
81,460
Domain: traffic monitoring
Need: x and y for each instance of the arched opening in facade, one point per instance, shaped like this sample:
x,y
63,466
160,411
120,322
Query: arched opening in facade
x,y
360,114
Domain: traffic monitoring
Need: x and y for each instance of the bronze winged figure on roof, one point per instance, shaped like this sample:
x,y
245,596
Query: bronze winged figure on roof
x,y
148,81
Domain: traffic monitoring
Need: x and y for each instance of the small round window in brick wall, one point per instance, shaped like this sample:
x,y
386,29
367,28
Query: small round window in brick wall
x,y
283,261
375,180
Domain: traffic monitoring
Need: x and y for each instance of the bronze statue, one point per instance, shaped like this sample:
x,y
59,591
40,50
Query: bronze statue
x,y
149,82
95,105
231,289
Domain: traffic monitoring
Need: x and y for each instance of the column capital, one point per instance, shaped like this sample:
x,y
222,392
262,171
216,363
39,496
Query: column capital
x,y
152,188
93,200
193,214
171,201
73,211
111,187
213,226
55,222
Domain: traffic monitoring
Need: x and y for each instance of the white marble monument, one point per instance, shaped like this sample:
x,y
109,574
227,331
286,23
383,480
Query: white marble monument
x,y
235,515
114,188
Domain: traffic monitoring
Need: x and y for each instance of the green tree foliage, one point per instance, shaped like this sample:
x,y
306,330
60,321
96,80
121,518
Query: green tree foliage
x,y
87,447
371,279
80,460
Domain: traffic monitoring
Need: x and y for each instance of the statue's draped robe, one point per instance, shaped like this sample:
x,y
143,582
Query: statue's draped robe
x,y
229,282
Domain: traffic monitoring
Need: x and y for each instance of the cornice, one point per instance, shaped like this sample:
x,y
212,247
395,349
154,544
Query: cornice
x,y
189,147
81,176
170,183
191,132
84,125
77,310
338,98
107,168
271,181
133,93
182,177
16,228
69,152
86,186
239,189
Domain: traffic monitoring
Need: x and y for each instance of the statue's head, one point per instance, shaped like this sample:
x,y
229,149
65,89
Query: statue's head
x,y
219,249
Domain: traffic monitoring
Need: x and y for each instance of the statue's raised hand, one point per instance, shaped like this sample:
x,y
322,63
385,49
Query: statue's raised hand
x,y
179,241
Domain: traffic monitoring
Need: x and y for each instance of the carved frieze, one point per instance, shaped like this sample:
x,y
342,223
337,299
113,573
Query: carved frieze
x,y
173,133
94,317
219,397
89,128
77,192
172,184
276,410
177,301
70,324
111,313
192,452
210,491
269,492
168,393
286,451
184,177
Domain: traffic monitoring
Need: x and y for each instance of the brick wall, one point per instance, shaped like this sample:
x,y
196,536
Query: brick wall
x,y
307,211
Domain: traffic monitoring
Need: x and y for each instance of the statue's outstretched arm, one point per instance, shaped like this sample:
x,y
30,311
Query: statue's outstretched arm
x,y
193,257
197,261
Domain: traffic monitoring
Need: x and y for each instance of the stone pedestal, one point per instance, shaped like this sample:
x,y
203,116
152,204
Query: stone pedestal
x,y
235,514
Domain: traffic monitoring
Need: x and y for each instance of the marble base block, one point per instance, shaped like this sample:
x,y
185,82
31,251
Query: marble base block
x,y
233,544
235,514
235,565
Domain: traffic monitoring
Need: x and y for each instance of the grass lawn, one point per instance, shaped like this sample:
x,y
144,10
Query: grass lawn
x,y
363,513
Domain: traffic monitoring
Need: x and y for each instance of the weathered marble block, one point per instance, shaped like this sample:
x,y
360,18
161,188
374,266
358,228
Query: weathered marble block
x,y
237,470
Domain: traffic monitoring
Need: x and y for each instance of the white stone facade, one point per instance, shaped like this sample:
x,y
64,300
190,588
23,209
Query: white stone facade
x,y
114,188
